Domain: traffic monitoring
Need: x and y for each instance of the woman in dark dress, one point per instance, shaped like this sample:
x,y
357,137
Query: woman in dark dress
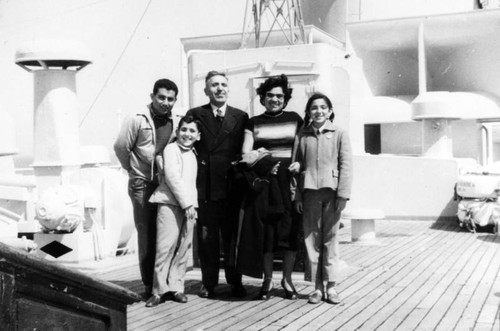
x,y
271,225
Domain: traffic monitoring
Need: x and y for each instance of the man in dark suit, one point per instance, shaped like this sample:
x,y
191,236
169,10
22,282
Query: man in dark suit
x,y
222,130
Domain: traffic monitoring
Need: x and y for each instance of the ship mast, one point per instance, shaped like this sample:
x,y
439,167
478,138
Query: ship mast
x,y
265,16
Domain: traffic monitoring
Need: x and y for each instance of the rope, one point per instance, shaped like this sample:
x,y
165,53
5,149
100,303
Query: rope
x,y
117,62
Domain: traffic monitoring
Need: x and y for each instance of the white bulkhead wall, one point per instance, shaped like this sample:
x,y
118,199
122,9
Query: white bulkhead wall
x,y
310,68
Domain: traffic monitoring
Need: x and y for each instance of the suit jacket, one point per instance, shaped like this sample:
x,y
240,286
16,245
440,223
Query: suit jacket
x,y
216,150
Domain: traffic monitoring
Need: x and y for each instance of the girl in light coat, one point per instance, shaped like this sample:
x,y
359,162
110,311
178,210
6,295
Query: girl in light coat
x,y
324,161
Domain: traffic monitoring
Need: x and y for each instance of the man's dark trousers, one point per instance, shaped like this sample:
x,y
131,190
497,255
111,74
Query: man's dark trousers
x,y
140,191
214,218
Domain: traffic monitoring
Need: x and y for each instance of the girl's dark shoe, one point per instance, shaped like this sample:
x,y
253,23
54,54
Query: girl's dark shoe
x,y
290,295
266,288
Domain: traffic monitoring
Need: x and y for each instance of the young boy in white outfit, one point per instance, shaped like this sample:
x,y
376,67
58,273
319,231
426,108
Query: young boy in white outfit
x,y
178,199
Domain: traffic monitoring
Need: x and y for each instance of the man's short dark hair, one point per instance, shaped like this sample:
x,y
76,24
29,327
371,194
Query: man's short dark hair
x,y
166,84
213,73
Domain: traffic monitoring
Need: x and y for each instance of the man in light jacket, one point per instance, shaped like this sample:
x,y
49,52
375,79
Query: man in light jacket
x,y
141,140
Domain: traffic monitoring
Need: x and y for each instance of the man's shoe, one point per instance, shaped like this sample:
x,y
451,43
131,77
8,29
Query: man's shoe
x,y
180,297
206,292
238,291
315,297
332,296
153,301
147,292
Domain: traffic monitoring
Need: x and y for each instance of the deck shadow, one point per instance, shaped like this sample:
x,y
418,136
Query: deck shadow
x,y
393,235
223,292
490,237
446,225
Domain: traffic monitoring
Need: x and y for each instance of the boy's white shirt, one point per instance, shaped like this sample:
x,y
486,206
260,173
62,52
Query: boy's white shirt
x,y
180,169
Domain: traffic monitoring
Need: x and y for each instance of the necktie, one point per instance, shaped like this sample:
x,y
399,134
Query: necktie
x,y
219,116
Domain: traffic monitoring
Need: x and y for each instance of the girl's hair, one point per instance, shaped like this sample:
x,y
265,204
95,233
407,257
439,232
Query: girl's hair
x,y
272,82
190,119
316,96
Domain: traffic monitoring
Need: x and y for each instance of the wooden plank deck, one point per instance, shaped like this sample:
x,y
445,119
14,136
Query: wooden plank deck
x,y
422,276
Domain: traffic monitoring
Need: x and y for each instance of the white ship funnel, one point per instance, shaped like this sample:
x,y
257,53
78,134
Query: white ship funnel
x,y
54,65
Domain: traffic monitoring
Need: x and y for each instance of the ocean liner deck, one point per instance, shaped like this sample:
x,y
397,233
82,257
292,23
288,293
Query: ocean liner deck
x,y
422,276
